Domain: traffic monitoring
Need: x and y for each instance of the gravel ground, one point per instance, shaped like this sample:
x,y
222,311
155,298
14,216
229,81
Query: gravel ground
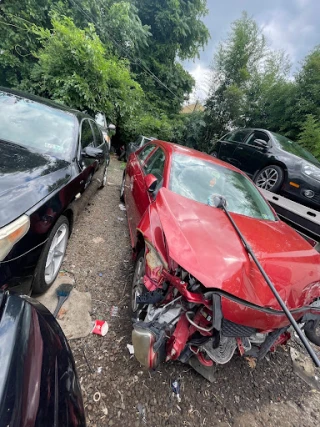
x,y
100,258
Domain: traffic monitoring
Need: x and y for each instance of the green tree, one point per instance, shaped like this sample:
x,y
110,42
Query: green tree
x,y
75,68
309,136
177,32
246,75
117,23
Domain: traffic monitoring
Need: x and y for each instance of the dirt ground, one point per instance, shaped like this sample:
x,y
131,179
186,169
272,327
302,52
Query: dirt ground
x,y
99,256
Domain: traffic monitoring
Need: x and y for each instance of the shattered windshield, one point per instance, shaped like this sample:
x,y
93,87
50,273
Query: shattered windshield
x,y
200,180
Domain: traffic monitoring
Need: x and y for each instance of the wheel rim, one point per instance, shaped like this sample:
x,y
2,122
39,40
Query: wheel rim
x,y
56,253
122,188
137,284
105,176
267,179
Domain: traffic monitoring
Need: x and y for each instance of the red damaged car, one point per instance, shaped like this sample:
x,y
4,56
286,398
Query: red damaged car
x,y
216,271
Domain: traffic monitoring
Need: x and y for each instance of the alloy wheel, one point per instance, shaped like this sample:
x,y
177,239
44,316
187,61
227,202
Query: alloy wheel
x,y
56,253
267,179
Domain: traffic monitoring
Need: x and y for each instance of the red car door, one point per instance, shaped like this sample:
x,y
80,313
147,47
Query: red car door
x,y
134,186
148,161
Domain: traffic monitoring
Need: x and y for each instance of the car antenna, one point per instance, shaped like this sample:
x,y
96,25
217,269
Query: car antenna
x,y
221,203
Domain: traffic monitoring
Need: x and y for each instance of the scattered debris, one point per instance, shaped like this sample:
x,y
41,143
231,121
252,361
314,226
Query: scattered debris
x,y
114,311
61,313
304,368
99,370
100,327
176,389
122,207
237,399
85,357
130,348
142,412
100,274
96,396
105,410
252,362
120,219
98,240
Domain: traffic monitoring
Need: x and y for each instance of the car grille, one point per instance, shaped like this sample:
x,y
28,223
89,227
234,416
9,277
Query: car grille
x,y
230,329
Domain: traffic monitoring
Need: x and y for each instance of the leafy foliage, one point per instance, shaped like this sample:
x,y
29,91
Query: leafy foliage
x,y
309,136
251,89
246,77
93,55
177,32
73,69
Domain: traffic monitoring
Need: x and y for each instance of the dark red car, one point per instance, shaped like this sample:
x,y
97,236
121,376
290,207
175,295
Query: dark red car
x,y
197,295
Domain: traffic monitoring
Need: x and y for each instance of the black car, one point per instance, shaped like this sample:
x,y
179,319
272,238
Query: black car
x,y
52,159
139,142
38,380
274,162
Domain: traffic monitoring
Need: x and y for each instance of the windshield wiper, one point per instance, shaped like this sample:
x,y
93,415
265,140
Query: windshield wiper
x,y
221,203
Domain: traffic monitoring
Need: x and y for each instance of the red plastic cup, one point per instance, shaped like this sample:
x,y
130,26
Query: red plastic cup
x,y
100,327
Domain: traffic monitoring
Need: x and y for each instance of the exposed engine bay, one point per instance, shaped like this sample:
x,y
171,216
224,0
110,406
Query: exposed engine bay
x,y
176,319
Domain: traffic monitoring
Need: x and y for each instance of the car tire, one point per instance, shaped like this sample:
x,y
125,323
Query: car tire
x,y
105,178
270,178
138,288
312,331
122,188
42,281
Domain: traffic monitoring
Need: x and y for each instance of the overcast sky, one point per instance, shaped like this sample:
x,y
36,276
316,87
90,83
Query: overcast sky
x,y
290,25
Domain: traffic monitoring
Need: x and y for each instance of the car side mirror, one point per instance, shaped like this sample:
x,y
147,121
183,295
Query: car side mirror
x,y
151,182
92,153
260,142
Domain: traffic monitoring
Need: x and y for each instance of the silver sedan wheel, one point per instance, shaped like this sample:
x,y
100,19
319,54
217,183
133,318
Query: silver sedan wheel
x,y
56,253
137,283
267,179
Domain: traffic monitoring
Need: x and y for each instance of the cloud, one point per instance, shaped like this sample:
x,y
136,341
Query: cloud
x,y
302,3
290,33
202,76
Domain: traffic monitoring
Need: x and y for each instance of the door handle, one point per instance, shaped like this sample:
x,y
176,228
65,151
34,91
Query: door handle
x,y
240,148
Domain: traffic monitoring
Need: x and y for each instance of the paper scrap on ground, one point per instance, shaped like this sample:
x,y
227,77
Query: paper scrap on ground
x,y
130,348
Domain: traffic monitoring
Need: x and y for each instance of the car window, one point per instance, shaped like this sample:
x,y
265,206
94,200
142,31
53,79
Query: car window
x,y
101,120
145,141
87,138
97,134
142,156
257,134
238,135
200,180
293,147
155,164
37,126
138,141
226,137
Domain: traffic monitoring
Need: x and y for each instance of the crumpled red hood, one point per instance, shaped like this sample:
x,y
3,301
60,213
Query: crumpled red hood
x,y
202,240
